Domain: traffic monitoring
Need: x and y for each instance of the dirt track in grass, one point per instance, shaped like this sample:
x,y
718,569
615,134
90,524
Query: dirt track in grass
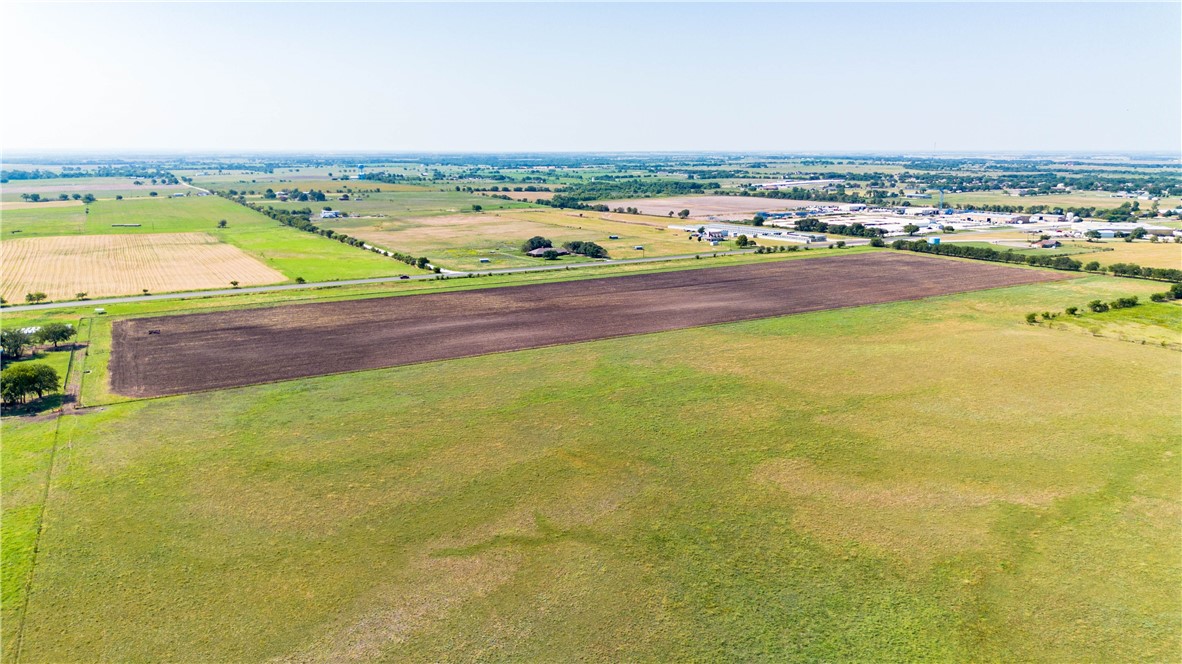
x,y
178,354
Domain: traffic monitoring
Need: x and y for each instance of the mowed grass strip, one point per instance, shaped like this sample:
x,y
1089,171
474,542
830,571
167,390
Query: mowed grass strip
x,y
106,265
920,480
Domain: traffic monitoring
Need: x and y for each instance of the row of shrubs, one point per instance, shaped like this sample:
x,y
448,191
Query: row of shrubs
x,y
840,244
1054,262
1099,306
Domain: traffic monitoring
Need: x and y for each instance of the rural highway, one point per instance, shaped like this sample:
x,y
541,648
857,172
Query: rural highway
x,y
352,282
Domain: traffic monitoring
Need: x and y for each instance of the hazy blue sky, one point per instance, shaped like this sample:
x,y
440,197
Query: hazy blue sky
x,y
791,77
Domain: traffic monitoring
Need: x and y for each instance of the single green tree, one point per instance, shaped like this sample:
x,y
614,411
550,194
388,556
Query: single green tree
x,y
55,333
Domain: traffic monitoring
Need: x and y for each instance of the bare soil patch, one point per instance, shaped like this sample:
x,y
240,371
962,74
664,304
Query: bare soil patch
x,y
173,355
702,207
105,265
527,196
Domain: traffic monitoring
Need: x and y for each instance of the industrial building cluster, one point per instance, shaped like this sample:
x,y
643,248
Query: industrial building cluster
x,y
909,221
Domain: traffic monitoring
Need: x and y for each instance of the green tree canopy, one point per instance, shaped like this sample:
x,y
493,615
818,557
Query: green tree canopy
x,y
55,333
536,242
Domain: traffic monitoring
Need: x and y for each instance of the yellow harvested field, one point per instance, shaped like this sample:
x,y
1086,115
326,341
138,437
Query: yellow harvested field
x,y
105,265
1151,254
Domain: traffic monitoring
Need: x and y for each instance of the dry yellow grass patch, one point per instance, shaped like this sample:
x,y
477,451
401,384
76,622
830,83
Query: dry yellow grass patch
x,y
1152,254
392,613
24,205
104,265
913,521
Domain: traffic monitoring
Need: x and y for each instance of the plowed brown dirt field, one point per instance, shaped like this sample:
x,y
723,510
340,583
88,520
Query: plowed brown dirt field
x,y
172,355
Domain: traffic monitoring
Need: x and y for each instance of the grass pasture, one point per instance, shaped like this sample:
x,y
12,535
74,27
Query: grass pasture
x,y
633,499
107,265
1149,322
459,241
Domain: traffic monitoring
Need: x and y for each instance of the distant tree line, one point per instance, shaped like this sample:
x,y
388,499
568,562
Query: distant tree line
x,y
574,196
98,172
989,254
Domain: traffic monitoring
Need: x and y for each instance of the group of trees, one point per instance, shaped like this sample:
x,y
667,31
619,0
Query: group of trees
x,y
1174,293
314,195
588,249
575,195
779,249
37,198
19,380
13,342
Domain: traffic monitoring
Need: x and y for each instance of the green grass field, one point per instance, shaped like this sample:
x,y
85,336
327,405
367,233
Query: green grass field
x,y
771,489
292,252
1148,322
